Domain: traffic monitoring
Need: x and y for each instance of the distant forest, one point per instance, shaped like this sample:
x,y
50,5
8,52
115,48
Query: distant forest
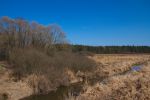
x,y
111,49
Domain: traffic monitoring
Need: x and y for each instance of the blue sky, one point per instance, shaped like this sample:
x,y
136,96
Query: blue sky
x,y
89,22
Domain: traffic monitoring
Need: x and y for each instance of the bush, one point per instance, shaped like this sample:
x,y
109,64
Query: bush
x,y
2,54
30,61
74,61
34,49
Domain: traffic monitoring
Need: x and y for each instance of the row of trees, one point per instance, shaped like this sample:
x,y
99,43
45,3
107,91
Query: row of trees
x,y
40,53
111,49
21,33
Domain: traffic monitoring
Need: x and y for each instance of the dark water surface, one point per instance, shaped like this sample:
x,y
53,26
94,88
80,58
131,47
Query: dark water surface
x,y
60,94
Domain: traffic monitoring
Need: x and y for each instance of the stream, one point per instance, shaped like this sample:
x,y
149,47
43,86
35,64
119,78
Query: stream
x,y
61,93
74,89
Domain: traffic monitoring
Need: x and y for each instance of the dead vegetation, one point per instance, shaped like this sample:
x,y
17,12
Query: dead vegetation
x,y
130,86
114,64
39,56
10,90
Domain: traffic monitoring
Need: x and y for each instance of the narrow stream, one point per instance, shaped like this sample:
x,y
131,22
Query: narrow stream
x,y
136,68
74,89
60,94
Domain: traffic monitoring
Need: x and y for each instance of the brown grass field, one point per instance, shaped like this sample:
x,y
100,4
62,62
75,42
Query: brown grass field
x,y
111,80
119,85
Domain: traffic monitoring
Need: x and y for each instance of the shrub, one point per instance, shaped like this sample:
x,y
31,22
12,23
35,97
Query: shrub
x,y
40,50
29,61
75,61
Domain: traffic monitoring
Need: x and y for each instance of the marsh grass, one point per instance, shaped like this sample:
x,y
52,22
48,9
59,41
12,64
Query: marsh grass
x,y
130,86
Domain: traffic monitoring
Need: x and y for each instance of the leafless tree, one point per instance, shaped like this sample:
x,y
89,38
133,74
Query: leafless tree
x,y
21,33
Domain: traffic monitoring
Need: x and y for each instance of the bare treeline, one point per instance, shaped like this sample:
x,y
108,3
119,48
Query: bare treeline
x,y
22,33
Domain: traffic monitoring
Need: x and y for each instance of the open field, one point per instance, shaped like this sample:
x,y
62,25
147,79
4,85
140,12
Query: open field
x,y
113,79
114,64
118,85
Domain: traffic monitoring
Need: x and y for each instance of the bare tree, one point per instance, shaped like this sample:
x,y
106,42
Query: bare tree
x,y
21,33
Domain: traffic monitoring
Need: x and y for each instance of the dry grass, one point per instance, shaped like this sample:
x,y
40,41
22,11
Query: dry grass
x,y
115,86
131,86
114,64
10,90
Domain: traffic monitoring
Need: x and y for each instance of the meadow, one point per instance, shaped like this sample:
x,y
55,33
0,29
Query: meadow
x,y
113,78
131,85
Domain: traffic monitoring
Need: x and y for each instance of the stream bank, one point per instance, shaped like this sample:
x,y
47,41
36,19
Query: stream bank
x,y
74,89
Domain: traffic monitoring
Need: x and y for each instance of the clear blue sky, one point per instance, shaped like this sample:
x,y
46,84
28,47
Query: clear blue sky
x,y
90,22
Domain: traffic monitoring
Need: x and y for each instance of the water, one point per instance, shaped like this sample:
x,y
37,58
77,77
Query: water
x,y
54,95
60,94
136,68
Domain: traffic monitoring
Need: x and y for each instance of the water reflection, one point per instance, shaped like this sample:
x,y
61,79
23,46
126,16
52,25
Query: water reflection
x,y
60,94
136,68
